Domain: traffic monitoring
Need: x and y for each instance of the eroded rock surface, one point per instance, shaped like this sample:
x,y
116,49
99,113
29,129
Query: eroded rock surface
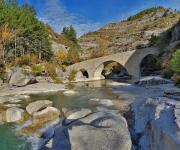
x,y
35,106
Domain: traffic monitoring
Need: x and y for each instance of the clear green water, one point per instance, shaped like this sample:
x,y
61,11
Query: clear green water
x,y
9,140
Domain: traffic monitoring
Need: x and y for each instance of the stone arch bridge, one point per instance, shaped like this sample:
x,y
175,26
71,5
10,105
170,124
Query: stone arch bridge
x,y
130,60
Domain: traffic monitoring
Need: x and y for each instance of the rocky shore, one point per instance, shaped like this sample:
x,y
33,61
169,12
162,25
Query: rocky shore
x,y
149,122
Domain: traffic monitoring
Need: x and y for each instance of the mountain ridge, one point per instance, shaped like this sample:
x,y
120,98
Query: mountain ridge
x,y
128,34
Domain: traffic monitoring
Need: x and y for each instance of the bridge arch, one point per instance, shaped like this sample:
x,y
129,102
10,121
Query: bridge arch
x,y
82,74
113,66
149,65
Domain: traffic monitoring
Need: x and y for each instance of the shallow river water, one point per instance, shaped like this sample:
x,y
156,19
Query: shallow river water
x,y
120,94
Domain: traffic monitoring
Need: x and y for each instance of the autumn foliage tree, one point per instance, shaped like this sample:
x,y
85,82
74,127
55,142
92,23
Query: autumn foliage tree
x,y
6,34
61,58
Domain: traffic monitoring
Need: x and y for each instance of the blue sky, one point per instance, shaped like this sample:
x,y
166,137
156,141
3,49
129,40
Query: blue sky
x,y
89,15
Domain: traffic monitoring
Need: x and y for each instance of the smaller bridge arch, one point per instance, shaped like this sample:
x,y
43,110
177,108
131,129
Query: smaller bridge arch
x,y
98,73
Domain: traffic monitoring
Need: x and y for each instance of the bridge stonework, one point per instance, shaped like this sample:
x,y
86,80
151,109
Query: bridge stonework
x,y
130,60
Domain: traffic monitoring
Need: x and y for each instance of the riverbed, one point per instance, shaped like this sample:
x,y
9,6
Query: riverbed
x,y
88,96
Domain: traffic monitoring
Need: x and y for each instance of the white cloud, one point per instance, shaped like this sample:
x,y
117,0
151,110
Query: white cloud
x,y
56,15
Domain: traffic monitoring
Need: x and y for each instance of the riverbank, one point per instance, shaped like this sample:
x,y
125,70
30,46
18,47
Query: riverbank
x,y
95,102
32,89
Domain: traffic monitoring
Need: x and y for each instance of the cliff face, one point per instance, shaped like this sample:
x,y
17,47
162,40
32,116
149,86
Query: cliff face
x,y
129,34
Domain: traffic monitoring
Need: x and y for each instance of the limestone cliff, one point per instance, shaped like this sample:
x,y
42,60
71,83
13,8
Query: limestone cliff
x,y
128,34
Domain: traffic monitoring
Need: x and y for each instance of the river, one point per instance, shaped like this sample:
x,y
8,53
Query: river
x,y
121,94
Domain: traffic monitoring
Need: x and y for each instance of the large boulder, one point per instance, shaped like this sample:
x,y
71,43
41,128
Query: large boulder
x,y
38,105
101,130
157,121
13,115
20,78
152,80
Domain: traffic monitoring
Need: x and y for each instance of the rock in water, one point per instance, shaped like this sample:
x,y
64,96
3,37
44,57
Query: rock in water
x,y
20,78
42,121
13,114
38,105
106,102
69,92
45,115
152,80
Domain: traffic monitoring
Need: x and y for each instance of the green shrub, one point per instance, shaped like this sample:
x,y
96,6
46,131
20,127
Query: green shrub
x,y
168,73
72,75
176,79
140,46
154,40
38,69
23,60
175,62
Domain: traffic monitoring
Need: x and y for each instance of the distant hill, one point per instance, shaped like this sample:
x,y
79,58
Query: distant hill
x,y
129,34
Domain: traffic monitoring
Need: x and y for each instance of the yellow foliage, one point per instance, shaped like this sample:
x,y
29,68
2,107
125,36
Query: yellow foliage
x,y
61,56
5,33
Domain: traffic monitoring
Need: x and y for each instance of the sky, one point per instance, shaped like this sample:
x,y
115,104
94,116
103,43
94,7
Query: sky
x,y
90,15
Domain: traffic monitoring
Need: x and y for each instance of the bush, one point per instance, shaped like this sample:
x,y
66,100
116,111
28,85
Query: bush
x,y
175,62
154,40
38,69
23,60
51,70
72,75
140,46
176,79
168,73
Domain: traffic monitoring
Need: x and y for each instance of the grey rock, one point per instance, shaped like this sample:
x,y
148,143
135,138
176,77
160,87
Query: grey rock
x,y
157,121
20,78
38,105
152,80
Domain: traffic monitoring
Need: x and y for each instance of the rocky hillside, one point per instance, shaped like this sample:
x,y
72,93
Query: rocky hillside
x,y
129,34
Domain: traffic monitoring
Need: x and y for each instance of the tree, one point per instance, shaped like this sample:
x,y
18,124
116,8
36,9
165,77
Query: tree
x,y
31,35
61,57
175,62
73,56
70,33
5,35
